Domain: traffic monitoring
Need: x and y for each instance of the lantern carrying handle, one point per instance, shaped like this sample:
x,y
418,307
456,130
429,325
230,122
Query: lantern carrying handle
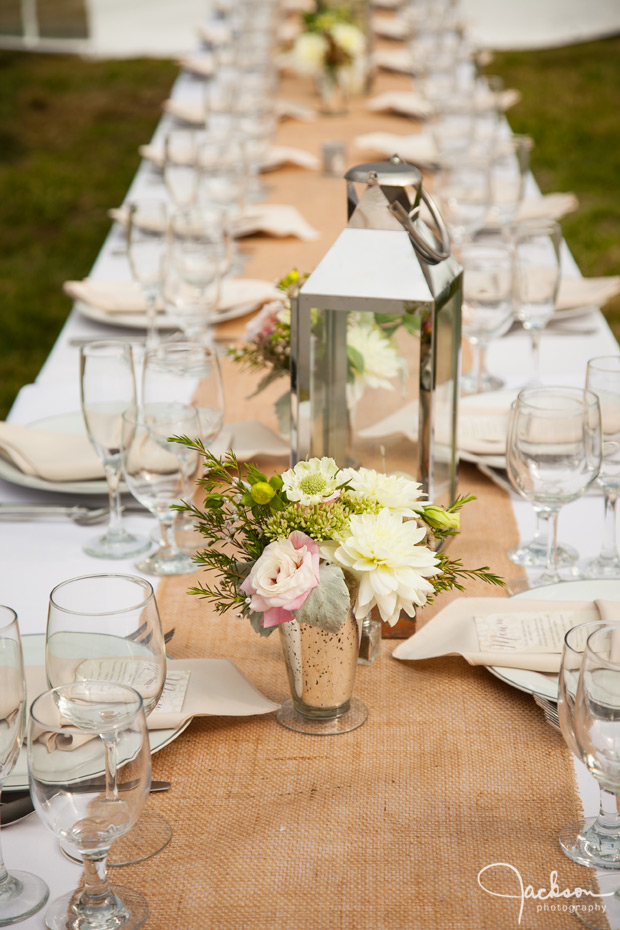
x,y
431,254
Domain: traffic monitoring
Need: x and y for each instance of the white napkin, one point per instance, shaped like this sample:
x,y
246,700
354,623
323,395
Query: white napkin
x,y
215,33
419,149
120,215
549,206
48,455
188,111
517,633
202,65
482,430
249,438
289,109
585,292
401,101
126,297
274,219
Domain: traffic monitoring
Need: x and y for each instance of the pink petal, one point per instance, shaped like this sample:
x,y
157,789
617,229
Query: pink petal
x,y
274,616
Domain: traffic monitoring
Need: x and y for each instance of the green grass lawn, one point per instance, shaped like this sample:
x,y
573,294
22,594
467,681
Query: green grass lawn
x,y
69,137
70,130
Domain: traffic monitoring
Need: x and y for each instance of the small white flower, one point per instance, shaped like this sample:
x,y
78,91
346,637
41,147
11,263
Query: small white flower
x,y
309,53
400,495
349,38
312,482
392,569
381,360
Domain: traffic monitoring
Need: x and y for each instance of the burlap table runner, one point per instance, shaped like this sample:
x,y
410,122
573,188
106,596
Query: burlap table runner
x,y
388,827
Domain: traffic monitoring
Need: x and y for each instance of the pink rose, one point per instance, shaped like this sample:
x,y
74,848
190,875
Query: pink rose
x,y
283,577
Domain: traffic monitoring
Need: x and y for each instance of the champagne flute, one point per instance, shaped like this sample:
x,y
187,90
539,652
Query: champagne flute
x,y
107,627
595,841
161,473
91,795
536,279
147,225
553,452
108,387
186,372
21,893
603,377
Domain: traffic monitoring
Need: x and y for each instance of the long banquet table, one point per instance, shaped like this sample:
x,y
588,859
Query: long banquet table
x,y
387,827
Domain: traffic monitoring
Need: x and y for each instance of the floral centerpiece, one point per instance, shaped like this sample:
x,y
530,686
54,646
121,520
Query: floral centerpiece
x,y
316,548
332,49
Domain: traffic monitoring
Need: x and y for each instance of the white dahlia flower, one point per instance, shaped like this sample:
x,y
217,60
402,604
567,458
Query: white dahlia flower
x,y
381,360
400,495
309,53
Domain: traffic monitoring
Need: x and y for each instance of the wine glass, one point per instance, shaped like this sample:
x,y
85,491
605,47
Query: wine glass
x,y
194,262
533,554
107,627
147,225
180,166
603,377
536,278
21,894
91,794
553,453
187,373
596,722
160,473
510,164
595,841
487,310
108,388
463,189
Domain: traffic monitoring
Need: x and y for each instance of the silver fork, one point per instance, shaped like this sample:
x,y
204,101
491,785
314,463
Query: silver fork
x,y
550,711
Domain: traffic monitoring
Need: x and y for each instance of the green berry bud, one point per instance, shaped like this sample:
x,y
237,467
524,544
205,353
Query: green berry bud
x,y
262,492
440,519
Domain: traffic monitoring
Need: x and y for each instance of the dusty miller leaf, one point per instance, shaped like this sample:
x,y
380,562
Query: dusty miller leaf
x,y
327,605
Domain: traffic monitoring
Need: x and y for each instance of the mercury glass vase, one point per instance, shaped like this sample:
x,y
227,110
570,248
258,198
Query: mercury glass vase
x,y
321,667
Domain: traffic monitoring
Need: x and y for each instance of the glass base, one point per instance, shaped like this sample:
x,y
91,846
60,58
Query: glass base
x,y
534,555
132,913
149,836
582,844
288,717
117,546
596,903
488,382
602,568
21,896
178,563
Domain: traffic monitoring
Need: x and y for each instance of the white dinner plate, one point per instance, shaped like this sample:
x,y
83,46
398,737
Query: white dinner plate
x,y
536,682
138,320
33,646
72,423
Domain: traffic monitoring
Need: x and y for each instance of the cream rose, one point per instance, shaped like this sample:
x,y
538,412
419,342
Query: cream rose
x,y
283,577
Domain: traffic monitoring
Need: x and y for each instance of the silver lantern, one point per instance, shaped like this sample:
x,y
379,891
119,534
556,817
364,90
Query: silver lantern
x,y
375,336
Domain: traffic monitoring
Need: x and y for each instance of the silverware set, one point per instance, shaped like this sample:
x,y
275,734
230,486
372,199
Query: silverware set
x,y
550,711
80,514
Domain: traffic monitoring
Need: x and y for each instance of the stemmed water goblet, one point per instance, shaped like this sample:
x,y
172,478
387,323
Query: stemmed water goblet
x,y
181,166
147,224
553,453
509,165
21,893
107,628
595,841
161,473
91,794
536,279
596,723
108,388
463,188
603,378
186,372
487,310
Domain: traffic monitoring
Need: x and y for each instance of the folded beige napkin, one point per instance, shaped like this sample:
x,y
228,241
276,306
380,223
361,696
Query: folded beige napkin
x,y
504,632
215,33
289,109
276,157
391,27
401,101
124,297
188,111
549,206
202,65
482,430
121,215
47,455
586,292
419,149
274,219
399,60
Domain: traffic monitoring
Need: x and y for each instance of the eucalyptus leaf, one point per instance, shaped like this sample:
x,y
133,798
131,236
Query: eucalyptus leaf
x,y
327,605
